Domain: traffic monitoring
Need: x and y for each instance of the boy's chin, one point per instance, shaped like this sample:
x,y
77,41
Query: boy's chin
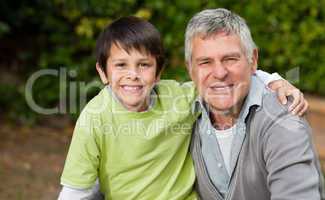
x,y
136,106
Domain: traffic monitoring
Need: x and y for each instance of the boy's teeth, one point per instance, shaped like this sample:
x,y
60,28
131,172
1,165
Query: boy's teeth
x,y
132,88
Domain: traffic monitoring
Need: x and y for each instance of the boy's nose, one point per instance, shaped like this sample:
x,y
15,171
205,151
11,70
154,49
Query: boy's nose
x,y
133,74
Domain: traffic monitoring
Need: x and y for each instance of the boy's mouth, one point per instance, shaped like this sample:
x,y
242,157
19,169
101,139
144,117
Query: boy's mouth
x,y
132,88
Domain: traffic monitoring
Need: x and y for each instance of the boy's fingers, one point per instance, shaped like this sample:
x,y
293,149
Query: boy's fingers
x,y
282,96
298,108
297,98
304,109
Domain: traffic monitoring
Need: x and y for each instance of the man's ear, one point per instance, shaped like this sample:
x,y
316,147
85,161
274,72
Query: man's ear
x,y
254,60
189,69
101,74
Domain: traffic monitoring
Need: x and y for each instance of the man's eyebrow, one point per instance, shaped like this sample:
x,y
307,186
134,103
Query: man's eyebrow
x,y
203,58
232,54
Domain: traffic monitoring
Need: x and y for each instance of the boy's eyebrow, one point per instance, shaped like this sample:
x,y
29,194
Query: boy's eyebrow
x,y
125,60
118,59
144,59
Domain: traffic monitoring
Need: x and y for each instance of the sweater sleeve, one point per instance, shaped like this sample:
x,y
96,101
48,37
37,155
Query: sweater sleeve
x,y
290,160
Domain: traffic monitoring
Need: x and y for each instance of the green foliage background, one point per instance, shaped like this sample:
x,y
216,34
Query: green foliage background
x,y
51,34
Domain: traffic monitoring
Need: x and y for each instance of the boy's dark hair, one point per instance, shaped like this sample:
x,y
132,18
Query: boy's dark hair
x,y
130,33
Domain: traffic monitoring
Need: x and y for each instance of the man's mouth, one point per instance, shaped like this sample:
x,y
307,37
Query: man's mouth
x,y
222,88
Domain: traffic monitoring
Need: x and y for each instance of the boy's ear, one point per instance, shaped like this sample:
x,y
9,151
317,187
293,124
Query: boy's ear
x,y
101,74
158,76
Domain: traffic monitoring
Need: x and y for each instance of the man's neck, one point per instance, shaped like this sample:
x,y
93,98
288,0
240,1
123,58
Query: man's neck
x,y
222,120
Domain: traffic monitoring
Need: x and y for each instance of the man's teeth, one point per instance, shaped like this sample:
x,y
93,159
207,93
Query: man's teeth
x,y
221,87
131,88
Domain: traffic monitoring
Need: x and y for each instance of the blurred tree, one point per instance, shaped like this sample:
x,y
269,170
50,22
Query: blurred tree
x,y
56,34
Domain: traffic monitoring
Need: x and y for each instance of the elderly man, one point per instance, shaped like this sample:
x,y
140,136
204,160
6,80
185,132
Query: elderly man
x,y
245,145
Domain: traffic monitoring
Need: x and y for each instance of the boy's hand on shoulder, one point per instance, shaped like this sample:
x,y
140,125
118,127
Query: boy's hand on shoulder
x,y
284,89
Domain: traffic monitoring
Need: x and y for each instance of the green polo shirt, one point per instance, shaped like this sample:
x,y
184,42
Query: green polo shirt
x,y
136,155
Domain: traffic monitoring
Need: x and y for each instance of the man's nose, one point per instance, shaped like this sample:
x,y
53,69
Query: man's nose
x,y
219,71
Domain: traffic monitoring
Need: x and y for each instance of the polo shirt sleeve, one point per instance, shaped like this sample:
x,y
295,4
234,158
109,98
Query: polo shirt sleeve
x,y
291,161
82,162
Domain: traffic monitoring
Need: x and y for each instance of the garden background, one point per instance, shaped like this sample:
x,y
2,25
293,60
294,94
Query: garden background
x,y
58,36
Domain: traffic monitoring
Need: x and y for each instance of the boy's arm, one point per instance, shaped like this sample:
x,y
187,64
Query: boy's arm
x,y
82,162
284,89
268,78
71,193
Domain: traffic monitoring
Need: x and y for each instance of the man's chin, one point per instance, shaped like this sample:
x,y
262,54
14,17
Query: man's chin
x,y
221,106
225,108
221,101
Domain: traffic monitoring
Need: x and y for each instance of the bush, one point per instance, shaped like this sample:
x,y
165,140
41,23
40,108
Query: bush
x,y
51,34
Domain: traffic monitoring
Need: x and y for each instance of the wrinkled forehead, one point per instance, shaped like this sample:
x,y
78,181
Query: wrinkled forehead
x,y
218,34
216,39
215,34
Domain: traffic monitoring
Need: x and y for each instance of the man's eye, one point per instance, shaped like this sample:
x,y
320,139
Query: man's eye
x,y
230,60
204,63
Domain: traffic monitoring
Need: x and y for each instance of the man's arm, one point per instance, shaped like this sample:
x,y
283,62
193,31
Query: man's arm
x,y
290,160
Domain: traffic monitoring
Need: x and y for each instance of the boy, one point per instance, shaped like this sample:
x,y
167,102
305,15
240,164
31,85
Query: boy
x,y
135,134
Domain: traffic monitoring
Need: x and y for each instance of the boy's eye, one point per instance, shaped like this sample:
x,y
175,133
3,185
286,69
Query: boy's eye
x,y
120,65
144,65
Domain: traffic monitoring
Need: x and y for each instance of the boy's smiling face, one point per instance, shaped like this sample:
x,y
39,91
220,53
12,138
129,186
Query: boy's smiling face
x,y
131,76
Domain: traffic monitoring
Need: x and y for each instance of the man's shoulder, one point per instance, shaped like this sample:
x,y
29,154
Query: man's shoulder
x,y
271,105
272,116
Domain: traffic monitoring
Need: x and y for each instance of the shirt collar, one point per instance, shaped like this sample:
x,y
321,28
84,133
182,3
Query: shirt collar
x,y
153,96
197,105
254,97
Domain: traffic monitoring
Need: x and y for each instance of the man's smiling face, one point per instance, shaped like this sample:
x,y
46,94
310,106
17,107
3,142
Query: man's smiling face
x,y
221,71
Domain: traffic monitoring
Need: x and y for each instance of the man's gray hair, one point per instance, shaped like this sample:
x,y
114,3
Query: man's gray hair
x,y
212,21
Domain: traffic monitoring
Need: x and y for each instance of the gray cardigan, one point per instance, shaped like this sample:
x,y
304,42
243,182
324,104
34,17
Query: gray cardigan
x,y
277,160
